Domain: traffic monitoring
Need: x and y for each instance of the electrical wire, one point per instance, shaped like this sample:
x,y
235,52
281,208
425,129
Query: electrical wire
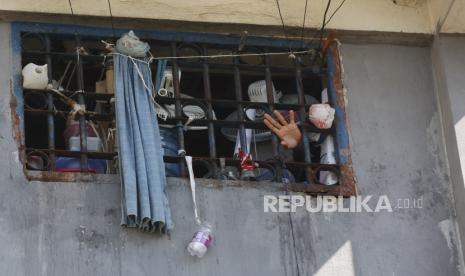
x,y
282,23
327,22
303,25
111,18
71,7
73,18
335,11
289,53
324,24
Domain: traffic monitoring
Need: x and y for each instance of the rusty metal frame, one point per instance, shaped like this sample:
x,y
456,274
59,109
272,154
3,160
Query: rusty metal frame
x,y
332,73
337,97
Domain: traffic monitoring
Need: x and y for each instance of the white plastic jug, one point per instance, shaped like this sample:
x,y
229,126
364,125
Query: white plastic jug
x,y
35,76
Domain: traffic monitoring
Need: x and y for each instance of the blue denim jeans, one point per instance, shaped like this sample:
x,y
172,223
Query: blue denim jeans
x,y
169,143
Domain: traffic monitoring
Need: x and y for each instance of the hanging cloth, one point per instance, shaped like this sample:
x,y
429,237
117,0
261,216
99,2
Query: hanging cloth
x,y
144,201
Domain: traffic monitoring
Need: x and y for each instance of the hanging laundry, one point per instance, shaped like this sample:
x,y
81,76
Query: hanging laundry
x,y
142,170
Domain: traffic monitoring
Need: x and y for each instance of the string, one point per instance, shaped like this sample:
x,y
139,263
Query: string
x,y
218,56
192,184
149,90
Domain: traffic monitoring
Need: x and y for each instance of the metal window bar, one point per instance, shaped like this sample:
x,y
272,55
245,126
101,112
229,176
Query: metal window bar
x,y
271,106
50,116
303,116
81,101
240,109
332,101
334,85
208,97
210,103
177,104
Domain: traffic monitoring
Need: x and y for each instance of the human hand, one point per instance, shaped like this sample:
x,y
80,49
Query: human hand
x,y
288,132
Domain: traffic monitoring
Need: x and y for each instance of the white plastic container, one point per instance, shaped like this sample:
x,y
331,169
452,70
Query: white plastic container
x,y
200,241
328,156
35,76
93,144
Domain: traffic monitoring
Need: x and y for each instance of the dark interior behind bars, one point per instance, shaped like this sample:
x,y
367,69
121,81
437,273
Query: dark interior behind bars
x,y
218,86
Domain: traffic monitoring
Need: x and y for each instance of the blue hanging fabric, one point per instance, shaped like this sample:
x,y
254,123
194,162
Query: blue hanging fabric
x,y
161,67
144,201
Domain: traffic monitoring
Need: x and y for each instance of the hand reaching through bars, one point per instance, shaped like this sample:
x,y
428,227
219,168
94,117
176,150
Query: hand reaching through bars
x,y
288,132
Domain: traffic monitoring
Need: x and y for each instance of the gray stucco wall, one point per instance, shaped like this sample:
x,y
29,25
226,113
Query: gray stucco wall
x,y
73,228
448,58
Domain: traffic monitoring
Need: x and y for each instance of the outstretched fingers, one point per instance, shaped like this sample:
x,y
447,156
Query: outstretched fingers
x,y
270,126
280,118
291,117
272,122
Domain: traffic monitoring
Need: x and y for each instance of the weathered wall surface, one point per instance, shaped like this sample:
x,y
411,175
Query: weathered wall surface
x,y
355,15
449,66
73,228
447,15
407,16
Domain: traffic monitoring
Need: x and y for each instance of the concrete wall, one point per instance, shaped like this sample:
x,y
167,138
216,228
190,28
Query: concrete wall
x,y
407,16
448,59
447,15
73,228
410,18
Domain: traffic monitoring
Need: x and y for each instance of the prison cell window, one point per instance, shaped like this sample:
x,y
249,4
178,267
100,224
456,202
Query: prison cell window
x,y
217,91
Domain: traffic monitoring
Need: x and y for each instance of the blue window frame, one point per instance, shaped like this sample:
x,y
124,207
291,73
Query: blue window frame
x,y
329,72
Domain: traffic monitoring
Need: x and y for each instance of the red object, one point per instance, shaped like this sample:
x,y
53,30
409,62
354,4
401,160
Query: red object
x,y
75,170
247,164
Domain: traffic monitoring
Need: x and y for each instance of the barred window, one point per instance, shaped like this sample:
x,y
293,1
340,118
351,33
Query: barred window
x,y
212,107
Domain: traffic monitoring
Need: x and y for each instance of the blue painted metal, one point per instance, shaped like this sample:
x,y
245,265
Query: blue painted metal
x,y
16,74
86,31
342,135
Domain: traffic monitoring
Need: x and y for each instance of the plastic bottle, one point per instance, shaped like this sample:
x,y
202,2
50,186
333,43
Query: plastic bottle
x,y
35,76
200,241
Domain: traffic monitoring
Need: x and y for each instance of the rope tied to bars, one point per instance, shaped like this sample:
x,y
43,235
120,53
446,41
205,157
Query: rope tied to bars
x,y
80,50
162,114
76,108
192,185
